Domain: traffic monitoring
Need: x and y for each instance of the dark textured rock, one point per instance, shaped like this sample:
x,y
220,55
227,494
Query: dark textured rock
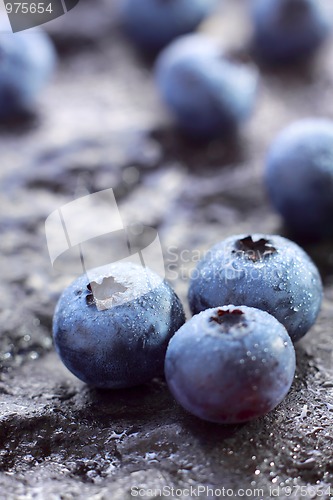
x,y
100,124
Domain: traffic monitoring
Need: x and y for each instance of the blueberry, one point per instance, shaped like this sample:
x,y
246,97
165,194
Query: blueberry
x,y
285,30
113,331
230,364
26,62
268,272
299,177
208,93
155,23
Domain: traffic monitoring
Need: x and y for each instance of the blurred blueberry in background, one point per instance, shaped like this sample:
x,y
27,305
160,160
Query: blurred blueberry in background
x,y
27,60
209,93
289,29
154,23
299,177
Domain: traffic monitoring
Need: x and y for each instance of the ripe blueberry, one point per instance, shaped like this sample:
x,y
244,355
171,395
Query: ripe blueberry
x,y
299,177
154,23
26,63
288,29
230,364
270,273
208,93
113,331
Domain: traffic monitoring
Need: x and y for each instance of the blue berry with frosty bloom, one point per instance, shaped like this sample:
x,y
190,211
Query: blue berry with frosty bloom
x,y
230,364
267,272
112,330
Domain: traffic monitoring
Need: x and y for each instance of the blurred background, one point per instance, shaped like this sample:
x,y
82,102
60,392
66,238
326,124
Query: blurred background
x,y
100,123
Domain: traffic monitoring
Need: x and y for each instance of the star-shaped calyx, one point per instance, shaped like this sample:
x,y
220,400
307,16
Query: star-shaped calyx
x,y
255,250
105,294
227,319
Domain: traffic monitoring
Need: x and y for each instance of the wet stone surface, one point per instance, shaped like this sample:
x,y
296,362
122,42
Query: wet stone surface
x,y
100,124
